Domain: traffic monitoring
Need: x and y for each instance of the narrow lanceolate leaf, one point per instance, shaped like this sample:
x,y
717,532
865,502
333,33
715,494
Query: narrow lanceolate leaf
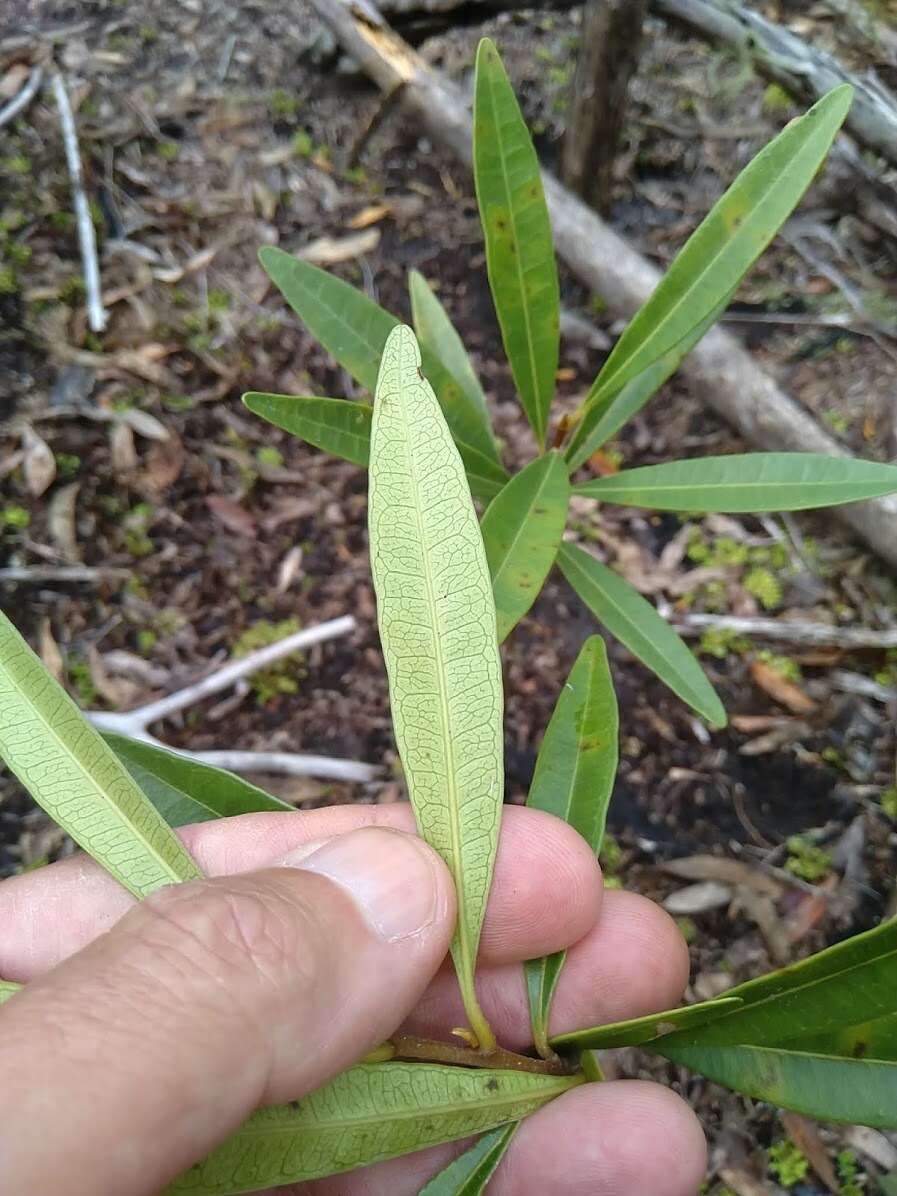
x,y
334,425
849,983
519,251
603,418
522,528
67,768
8,989
876,1039
344,429
635,623
185,791
747,482
821,1086
371,1112
437,625
463,403
469,1174
351,327
574,779
644,1029
727,242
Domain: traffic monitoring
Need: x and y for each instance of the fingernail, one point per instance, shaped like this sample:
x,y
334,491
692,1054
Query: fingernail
x,y
391,876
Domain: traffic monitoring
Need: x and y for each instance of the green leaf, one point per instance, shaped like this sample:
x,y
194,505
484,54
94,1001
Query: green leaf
x,y
8,989
350,326
846,984
343,428
635,623
185,791
371,1112
67,768
522,529
469,1174
519,252
573,780
437,623
746,482
334,425
603,419
821,1086
460,394
727,242
876,1039
637,1030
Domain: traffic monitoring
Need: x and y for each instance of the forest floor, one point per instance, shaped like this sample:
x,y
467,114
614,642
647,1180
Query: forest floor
x,y
209,129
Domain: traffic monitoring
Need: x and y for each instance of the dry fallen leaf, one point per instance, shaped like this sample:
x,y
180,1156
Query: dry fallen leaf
x,y
289,569
61,520
699,898
726,871
805,1136
783,691
38,462
234,517
326,251
163,465
117,691
49,651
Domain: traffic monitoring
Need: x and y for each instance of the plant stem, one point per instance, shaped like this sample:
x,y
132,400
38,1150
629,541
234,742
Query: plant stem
x,y
409,1046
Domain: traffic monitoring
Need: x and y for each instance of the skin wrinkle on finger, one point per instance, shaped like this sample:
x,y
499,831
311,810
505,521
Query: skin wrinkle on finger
x,y
547,889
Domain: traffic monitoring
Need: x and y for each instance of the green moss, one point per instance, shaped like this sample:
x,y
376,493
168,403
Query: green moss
x,y
9,283
78,671
303,146
764,585
218,300
849,1174
776,99
178,402
783,665
282,103
67,465
270,456
787,1163
722,642
15,164
146,640
888,802
15,517
168,151
687,928
806,860
284,676
837,421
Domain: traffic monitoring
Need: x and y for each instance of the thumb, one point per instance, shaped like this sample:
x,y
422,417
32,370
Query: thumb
x,y
143,1051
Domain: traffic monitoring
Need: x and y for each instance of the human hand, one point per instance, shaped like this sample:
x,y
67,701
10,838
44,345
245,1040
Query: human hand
x,y
148,1034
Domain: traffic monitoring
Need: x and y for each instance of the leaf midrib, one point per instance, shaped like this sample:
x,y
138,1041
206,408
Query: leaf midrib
x,y
487,1100
444,713
123,820
537,398
709,267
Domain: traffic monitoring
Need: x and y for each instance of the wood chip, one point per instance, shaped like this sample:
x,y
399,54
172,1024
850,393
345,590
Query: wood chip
x,y
326,251
873,1145
289,569
163,466
49,651
372,214
783,691
122,450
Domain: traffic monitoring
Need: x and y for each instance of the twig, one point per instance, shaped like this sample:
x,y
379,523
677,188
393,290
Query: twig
x,y
23,98
96,315
37,573
789,631
136,723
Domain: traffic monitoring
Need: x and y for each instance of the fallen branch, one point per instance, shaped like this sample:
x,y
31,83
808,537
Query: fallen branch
x,y
719,370
136,723
96,314
22,98
789,631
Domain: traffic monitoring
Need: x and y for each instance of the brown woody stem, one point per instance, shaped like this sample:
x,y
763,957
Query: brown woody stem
x,y
409,1046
